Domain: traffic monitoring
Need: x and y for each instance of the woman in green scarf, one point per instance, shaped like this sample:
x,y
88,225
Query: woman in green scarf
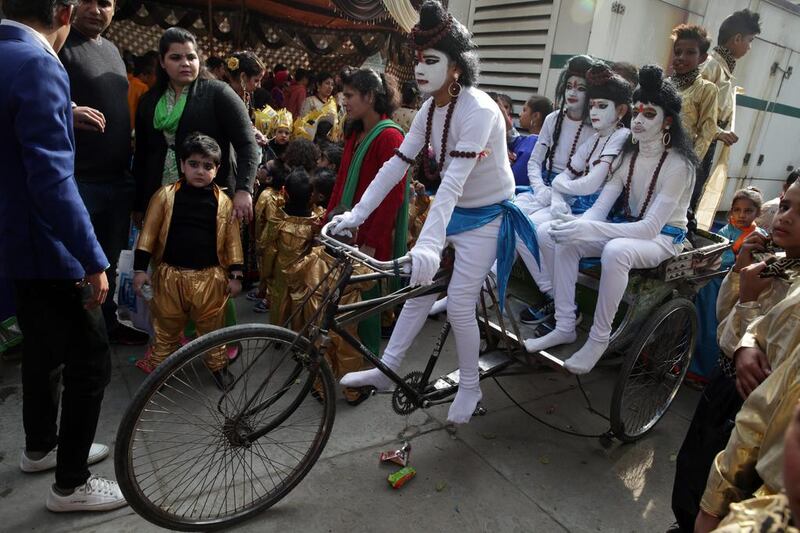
x,y
370,140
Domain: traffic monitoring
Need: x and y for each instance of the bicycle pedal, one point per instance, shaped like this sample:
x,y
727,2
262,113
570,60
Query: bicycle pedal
x,y
480,410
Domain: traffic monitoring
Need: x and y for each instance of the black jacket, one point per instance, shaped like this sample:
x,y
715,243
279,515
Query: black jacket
x,y
212,108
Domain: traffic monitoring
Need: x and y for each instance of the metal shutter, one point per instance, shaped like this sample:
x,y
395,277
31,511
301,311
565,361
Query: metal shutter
x,y
511,36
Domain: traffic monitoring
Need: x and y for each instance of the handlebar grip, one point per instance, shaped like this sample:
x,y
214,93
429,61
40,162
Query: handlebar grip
x,y
392,265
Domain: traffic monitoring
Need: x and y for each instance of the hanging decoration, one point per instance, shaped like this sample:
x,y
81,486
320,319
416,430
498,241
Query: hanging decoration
x,y
403,13
326,46
368,11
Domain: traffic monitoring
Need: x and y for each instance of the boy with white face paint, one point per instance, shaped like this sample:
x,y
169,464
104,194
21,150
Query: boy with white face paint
x,y
654,179
459,141
563,131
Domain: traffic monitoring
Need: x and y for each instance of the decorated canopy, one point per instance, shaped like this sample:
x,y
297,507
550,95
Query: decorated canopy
x,y
319,34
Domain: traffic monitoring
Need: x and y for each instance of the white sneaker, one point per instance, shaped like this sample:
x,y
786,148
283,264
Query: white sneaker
x,y
97,453
98,494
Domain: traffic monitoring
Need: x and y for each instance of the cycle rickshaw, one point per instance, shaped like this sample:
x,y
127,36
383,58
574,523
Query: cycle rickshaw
x,y
191,457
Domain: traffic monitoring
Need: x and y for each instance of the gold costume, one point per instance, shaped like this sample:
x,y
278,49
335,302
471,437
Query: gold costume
x,y
304,275
777,332
305,127
180,294
284,240
752,462
773,311
715,70
699,114
417,214
767,514
269,201
263,119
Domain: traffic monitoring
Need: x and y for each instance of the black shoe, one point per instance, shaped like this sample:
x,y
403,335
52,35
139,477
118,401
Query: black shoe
x,y
223,379
536,315
363,395
127,336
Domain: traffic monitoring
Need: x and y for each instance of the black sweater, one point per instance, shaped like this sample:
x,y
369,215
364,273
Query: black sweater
x,y
211,108
98,79
192,237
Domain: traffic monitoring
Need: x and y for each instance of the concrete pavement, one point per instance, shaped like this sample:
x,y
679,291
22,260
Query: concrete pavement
x,y
502,472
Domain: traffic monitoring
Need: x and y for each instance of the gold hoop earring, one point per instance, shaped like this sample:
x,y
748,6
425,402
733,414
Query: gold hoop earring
x,y
454,89
666,138
634,140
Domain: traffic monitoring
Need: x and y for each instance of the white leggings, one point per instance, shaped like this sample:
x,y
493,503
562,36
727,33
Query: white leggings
x,y
617,256
475,251
528,203
542,276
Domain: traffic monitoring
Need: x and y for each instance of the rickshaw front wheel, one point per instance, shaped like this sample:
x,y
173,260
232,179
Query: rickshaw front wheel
x,y
654,369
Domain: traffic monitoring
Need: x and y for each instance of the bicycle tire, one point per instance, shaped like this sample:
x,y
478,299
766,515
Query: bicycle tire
x,y
300,368
655,367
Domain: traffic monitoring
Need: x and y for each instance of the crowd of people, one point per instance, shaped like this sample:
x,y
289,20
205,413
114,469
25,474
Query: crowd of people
x,y
223,171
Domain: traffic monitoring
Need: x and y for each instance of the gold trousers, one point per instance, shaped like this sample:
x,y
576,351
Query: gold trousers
x,y
180,294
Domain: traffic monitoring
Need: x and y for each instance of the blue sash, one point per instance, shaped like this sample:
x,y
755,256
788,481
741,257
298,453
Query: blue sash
x,y
514,223
678,235
548,176
581,204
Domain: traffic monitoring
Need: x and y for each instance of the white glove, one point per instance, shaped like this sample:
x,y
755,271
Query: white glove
x,y
342,224
560,209
424,265
543,195
563,232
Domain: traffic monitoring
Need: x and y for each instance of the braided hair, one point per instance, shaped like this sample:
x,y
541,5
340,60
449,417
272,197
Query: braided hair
x,y
576,66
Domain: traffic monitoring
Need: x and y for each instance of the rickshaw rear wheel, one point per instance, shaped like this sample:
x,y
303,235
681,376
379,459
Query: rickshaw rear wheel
x,y
654,369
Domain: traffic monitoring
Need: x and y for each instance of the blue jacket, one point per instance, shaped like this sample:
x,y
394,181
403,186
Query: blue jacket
x,y
522,147
45,230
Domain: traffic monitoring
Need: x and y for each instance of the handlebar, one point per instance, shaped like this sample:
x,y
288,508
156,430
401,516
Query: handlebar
x,y
392,266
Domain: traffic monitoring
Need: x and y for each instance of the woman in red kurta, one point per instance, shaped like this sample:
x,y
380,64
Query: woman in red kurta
x,y
370,140
376,235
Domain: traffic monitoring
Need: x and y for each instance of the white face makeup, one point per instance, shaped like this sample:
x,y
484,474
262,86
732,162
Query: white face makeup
x,y
603,114
575,94
647,121
431,72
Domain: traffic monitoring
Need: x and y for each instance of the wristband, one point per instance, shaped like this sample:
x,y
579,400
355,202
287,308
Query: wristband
x,y
237,277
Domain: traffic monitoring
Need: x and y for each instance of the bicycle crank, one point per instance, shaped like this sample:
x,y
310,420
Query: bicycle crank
x,y
402,404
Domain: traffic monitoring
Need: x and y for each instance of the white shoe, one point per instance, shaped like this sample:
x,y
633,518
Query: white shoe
x,y
97,494
97,453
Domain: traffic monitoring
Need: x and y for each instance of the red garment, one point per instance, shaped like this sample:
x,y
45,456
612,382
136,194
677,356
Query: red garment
x,y
378,230
295,96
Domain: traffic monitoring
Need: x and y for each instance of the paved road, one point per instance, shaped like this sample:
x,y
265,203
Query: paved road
x,y
502,472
